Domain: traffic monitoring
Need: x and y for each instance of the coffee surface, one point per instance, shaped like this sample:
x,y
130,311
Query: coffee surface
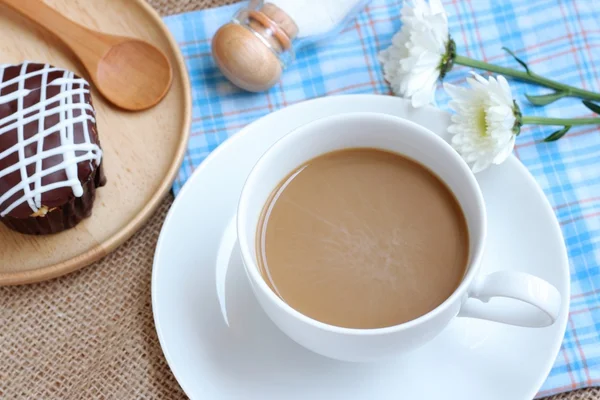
x,y
362,238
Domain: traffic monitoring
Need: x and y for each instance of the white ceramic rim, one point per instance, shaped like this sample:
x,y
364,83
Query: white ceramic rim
x,y
475,259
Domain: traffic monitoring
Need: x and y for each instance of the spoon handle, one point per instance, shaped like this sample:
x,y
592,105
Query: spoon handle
x,y
79,39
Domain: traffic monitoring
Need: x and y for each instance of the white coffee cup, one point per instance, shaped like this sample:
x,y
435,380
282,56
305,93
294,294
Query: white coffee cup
x,y
468,300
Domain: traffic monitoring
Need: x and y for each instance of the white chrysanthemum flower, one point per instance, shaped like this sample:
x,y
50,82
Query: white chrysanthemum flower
x,y
485,124
415,60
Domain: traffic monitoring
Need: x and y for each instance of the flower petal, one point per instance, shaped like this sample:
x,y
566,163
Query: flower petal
x,y
505,152
412,63
482,126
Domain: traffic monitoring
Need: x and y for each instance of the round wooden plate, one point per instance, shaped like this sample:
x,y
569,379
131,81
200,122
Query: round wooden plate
x,y
142,151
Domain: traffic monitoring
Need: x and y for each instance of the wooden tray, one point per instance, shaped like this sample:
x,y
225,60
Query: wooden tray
x,y
142,151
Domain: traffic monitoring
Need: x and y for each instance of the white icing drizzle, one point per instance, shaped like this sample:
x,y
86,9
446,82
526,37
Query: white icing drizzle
x,y
40,144
21,149
69,88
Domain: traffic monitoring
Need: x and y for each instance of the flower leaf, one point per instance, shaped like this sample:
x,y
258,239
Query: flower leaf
x,y
523,64
592,106
545,99
558,134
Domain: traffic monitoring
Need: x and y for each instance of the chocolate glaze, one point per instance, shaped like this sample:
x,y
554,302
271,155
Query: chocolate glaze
x,y
65,217
57,198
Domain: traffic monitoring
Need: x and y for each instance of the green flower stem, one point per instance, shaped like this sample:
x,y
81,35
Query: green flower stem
x,y
528,77
559,121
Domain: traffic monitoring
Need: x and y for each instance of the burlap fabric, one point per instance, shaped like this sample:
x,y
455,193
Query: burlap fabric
x,y
90,335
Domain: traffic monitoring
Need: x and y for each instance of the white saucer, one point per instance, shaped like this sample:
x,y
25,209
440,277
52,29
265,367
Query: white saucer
x,y
251,359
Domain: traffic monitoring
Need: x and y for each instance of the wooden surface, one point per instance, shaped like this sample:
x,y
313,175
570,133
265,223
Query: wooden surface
x,y
142,151
130,73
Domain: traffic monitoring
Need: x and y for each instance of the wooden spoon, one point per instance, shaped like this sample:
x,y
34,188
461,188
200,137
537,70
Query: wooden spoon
x,y
130,73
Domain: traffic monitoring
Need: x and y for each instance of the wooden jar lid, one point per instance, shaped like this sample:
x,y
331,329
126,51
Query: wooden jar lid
x,y
244,58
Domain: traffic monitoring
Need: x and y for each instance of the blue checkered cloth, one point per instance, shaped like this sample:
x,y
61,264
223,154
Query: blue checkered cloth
x,y
558,39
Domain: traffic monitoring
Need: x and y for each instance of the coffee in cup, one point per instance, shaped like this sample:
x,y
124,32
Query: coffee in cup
x,y
362,238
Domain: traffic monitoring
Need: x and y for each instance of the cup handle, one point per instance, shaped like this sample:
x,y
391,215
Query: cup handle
x,y
543,300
